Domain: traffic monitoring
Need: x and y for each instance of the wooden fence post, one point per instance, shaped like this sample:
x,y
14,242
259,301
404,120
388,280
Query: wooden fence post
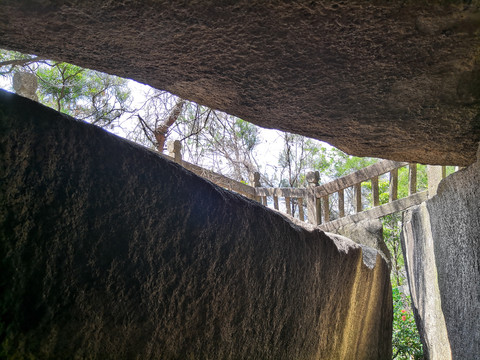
x,y
301,215
375,191
341,203
393,193
275,202
326,209
357,190
435,174
288,205
313,203
175,150
412,179
255,182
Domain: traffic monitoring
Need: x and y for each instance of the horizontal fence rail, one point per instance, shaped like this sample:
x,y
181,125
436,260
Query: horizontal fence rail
x,y
378,211
219,179
315,199
280,192
358,177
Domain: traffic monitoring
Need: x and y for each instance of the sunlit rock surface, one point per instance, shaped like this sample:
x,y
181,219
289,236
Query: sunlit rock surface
x,y
368,233
441,244
109,251
391,79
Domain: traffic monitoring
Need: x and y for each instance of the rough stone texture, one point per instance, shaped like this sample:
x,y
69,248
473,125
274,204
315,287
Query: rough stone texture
x,y
111,251
391,79
25,84
418,252
369,233
441,242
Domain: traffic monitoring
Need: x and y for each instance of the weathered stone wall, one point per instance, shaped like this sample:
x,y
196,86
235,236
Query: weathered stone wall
x,y
110,251
391,79
441,243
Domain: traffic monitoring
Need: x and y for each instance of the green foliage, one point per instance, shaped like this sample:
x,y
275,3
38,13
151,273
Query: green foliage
x,y
391,235
343,164
11,60
422,183
384,183
61,86
96,97
85,94
405,340
247,133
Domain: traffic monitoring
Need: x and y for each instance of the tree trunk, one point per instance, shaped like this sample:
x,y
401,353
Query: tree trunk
x,y
161,131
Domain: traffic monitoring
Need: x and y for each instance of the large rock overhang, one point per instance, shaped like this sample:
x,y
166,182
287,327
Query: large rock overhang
x,y
397,80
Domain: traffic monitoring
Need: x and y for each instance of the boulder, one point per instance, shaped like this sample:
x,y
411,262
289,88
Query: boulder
x,y
368,233
421,267
110,251
441,246
390,79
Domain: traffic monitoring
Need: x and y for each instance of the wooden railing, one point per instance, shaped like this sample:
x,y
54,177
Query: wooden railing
x,y
371,174
316,198
174,149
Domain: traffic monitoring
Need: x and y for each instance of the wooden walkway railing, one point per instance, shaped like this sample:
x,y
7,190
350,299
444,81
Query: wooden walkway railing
x,y
174,149
316,198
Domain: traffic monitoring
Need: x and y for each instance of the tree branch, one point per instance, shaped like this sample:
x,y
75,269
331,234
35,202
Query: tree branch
x,y
21,62
161,130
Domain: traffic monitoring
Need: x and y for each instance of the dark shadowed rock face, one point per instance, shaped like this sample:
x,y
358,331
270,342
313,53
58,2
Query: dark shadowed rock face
x,y
110,251
441,244
391,79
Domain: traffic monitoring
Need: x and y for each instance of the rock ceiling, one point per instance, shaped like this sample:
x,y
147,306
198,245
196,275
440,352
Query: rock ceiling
x,y
391,79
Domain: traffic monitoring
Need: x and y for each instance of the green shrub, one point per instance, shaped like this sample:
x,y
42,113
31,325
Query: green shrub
x,y
406,341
